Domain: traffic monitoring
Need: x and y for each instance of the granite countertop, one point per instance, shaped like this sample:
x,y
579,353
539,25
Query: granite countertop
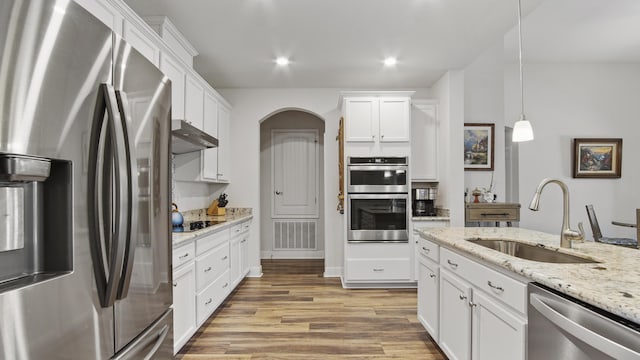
x,y
229,220
612,285
431,218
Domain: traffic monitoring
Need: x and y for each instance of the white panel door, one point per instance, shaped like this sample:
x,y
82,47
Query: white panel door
x,y
424,143
224,144
141,42
395,121
295,173
184,305
428,302
194,102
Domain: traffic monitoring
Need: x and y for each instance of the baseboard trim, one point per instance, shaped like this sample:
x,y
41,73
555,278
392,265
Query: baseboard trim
x,y
335,271
292,254
255,272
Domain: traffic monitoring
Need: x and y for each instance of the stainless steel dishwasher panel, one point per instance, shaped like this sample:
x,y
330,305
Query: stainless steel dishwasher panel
x,y
564,328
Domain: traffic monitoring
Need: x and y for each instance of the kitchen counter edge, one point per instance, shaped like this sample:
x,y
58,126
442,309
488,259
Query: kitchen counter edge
x,y
182,238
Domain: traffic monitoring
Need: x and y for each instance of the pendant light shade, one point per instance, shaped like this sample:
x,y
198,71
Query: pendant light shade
x,y
522,130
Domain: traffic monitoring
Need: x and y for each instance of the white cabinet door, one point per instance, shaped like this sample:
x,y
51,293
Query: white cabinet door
x,y
497,333
105,12
395,120
210,126
361,119
194,102
236,261
141,42
244,255
455,317
428,293
424,142
224,144
176,73
184,305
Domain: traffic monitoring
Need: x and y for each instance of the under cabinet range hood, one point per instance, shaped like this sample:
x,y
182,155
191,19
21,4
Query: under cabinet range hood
x,y
187,138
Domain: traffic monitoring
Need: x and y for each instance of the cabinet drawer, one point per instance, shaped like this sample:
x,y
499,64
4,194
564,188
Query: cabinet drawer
x,y
183,254
379,269
510,291
492,212
245,226
429,249
211,265
210,241
208,300
235,230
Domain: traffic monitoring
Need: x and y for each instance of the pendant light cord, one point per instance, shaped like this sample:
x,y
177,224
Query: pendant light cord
x,y
520,59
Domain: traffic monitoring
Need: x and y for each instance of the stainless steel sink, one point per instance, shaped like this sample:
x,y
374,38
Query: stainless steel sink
x,y
530,252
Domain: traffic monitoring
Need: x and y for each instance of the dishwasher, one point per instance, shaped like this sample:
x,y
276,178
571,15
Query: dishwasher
x,y
561,327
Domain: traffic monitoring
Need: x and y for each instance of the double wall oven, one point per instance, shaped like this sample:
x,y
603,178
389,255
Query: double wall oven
x,y
377,199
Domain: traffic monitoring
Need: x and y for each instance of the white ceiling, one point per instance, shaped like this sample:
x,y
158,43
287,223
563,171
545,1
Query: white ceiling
x,y
342,43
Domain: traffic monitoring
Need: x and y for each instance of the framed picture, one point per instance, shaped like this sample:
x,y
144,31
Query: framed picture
x,y
597,158
478,146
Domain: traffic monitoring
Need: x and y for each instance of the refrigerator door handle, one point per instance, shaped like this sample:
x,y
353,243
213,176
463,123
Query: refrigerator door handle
x,y
143,343
132,193
597,341
106,222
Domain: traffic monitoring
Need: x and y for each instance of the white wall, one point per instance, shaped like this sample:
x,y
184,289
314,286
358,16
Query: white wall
x,y
484,103
566,101
250,106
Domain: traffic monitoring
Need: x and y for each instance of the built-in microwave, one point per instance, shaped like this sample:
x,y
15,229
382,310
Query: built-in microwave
x,y
377,175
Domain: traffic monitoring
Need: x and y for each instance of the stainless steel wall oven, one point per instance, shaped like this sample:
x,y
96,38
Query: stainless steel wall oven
x,y
377,199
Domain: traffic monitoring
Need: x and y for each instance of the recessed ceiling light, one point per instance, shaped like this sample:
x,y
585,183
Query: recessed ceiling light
x,y
390,61
282,61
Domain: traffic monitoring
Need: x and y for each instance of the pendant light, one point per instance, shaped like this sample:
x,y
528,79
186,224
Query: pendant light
x,y
522,130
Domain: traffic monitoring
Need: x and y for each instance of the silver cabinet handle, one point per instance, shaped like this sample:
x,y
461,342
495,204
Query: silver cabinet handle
x,y
175,284
278,192
498,288
225,285
208,301
373,137
219,174
472,304
432,275
454,265
382,136
426,250
225,257
207,269
378,270
186,255
463,297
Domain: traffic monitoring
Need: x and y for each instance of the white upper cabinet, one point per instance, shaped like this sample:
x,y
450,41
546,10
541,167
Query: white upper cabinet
x,y
194,102
210,156
224,144
142,42
395,121
362,119
176,73
424,141
173,38
105,12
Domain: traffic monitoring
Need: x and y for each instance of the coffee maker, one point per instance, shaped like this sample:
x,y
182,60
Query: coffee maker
x,y
424,201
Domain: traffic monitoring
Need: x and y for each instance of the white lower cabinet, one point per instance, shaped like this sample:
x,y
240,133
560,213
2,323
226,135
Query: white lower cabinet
x,y
376,263
481,312
184,309
428,296
206,270
455,317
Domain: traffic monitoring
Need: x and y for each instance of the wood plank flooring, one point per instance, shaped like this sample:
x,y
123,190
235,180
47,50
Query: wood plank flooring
x,y
292,312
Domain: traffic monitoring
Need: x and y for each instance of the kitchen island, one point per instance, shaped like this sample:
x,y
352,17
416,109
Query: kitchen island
x,y
612,284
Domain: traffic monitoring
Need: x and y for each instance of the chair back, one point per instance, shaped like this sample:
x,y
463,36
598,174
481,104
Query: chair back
x,y
595,228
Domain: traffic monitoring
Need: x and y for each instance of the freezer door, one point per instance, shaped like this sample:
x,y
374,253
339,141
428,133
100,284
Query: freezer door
x,y
154,343
144,97
53,56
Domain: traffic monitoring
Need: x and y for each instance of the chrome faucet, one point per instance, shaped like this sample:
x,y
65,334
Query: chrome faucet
x,y
567,235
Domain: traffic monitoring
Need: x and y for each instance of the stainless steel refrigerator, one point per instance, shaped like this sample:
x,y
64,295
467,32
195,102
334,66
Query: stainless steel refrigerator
x,y
85,269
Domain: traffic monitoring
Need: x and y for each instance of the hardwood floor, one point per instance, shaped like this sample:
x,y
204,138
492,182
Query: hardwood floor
x,y
292,312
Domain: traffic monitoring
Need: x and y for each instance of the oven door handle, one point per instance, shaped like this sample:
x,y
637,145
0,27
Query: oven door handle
x,y
377,167
378,196
595,340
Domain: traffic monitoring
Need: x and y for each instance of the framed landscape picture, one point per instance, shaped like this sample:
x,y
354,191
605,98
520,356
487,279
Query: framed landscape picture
x,y
597,158
478,146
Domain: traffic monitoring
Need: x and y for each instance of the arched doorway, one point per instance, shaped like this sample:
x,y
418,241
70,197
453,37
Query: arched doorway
x,y
292,185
